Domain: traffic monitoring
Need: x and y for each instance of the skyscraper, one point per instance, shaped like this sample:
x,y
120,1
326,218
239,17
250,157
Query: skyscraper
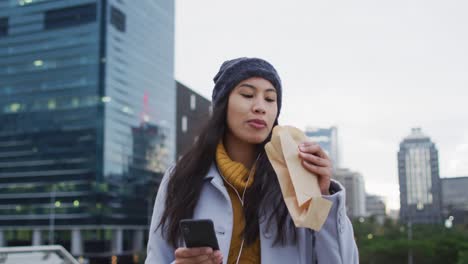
x,y
327,138
87,114
418,172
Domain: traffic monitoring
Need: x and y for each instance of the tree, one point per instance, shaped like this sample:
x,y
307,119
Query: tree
x,y
388,243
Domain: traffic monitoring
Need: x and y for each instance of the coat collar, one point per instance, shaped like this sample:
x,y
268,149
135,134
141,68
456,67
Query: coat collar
x,y
216,179
213,174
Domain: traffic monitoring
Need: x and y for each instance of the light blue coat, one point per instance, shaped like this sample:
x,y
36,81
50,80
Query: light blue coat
x,y
334,243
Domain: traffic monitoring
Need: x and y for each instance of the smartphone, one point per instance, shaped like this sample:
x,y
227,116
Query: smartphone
x,y
199,233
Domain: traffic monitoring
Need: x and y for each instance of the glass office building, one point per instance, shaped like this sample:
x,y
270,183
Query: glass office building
x,y
87,120
420,185
327,138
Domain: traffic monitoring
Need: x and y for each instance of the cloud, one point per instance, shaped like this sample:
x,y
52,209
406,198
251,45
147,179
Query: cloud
x,y
457,161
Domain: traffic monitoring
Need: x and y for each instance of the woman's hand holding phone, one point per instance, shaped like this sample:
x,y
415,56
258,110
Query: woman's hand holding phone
x,y
201,255
202,244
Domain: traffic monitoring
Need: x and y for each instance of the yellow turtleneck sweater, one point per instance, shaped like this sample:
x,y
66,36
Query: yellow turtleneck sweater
x,y
237,175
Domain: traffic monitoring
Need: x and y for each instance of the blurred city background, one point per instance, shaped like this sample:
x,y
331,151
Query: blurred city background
x,y
99,97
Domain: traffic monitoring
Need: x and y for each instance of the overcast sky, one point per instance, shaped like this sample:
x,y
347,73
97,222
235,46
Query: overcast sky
x,y
374,69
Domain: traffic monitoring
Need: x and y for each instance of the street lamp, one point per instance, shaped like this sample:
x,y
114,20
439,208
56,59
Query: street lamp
x,y
449,222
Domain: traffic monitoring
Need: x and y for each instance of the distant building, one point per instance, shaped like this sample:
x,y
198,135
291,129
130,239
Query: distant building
x,y
418,172
327,138
455,199
394,214
355,191
193,112
375,207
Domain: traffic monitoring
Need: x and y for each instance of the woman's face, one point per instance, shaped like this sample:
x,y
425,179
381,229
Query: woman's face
x,y
252,110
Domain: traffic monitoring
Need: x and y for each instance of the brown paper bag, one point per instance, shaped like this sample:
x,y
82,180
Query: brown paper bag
x,y
299,187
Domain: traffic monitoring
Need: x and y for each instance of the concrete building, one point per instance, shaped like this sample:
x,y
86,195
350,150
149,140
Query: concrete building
x,y
193,111
355,191
455,199
88,108
418,172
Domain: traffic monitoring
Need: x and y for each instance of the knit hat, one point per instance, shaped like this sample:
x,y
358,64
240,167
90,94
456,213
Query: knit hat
x,y
232,72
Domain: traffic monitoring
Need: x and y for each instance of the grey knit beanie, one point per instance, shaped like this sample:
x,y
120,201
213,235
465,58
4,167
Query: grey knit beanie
x,y
232,72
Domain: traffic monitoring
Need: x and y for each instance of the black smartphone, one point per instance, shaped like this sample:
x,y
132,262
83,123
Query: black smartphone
x,y
199,233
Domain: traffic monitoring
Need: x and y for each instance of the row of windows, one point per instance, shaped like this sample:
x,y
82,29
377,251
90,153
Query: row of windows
x,y
51,104
62,18
50,165
80,83
70,16
62,187
26,2
62,48
40,86
73,16
87,235
58,185
58,208
41,65
38,143
47,40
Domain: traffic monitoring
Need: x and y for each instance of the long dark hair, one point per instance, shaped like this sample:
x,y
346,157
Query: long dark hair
x,y
185,185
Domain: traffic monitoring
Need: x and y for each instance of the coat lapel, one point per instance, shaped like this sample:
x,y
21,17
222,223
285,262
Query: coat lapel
x,y
220,211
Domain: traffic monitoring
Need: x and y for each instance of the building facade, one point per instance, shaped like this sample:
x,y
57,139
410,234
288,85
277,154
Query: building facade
x,y
455,199
327,138
353,183
87,107
418,172
193,111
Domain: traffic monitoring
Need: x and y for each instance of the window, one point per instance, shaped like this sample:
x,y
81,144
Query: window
x,y
3,26
184,124
52,104
13,108
193,102
70,16
117,19
75,102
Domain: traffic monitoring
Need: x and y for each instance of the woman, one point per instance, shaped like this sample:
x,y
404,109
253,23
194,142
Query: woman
x,y
227,177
